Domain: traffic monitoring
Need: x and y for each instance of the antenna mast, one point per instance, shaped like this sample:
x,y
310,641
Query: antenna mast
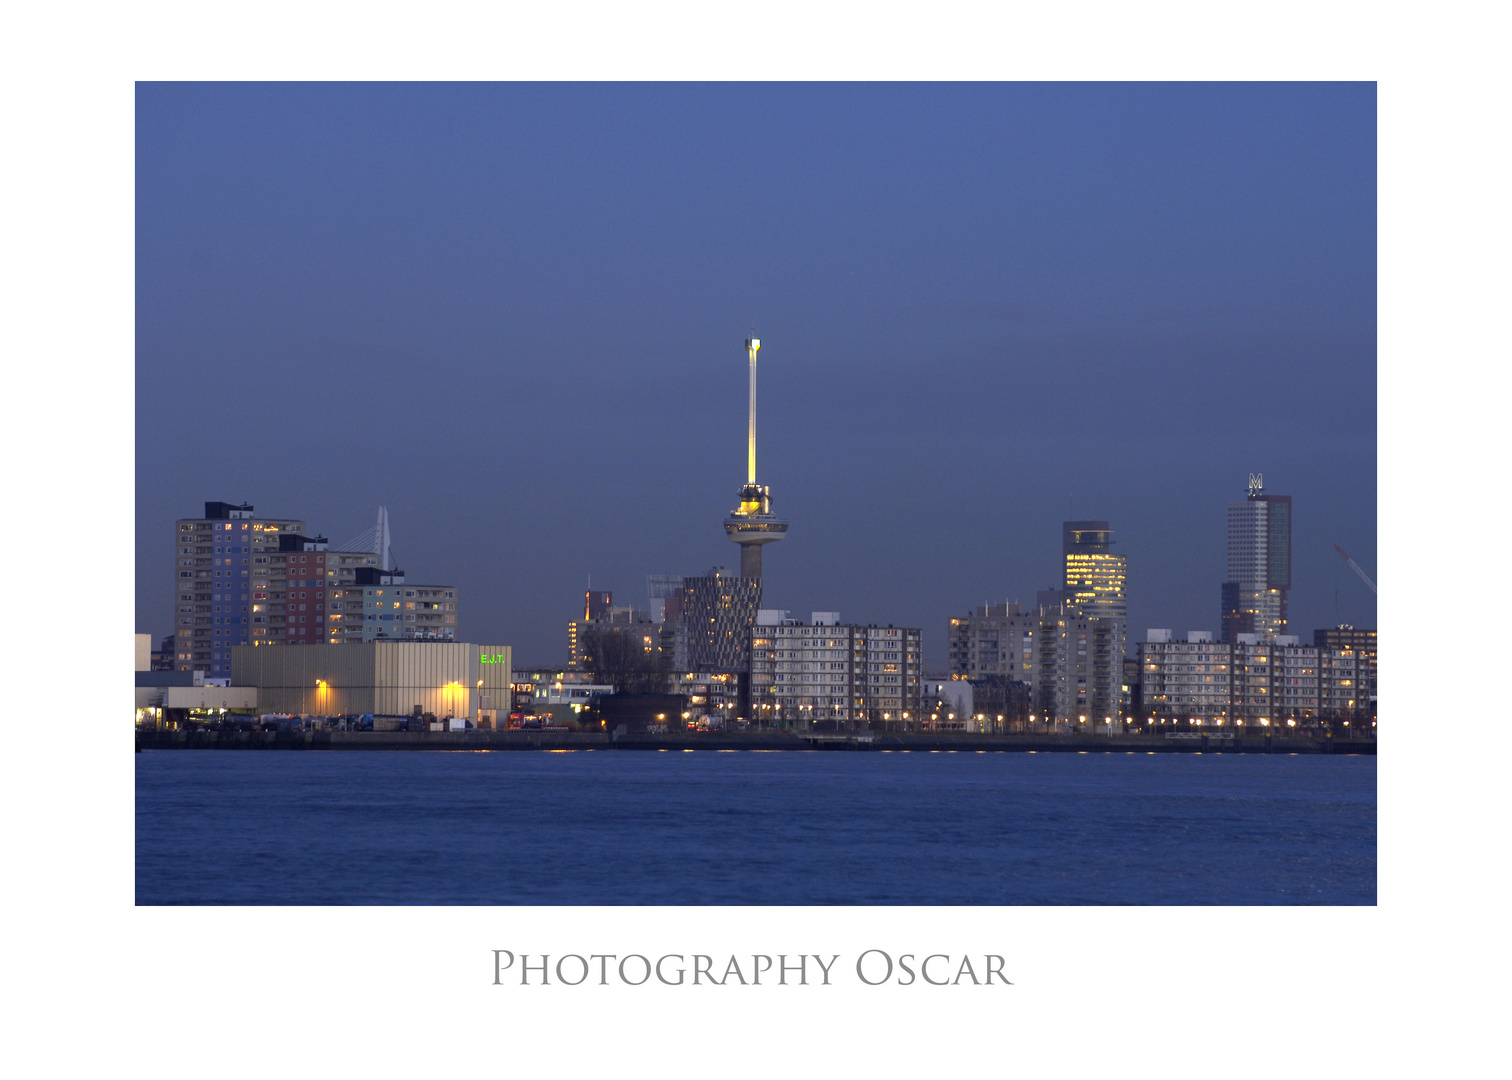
x,y
753,346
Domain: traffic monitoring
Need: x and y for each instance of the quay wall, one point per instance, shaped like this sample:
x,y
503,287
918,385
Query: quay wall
x,y
571,740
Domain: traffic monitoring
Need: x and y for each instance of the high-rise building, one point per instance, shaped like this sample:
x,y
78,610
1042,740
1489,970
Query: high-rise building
x,y
1259,564
1078,676
1071,666
1094,579
241,579
215,557
752,524
1069,649
994,640
665,596
718,610
295,594
1094,592
598,606
821,671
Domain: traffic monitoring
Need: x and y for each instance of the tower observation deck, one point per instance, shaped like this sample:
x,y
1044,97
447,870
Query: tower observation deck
x,y
752,523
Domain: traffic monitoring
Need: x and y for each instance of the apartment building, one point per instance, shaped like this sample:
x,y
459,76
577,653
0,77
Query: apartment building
x,y
1253,681
1072,663
381,605
822,671
1190,679
215,557
995,639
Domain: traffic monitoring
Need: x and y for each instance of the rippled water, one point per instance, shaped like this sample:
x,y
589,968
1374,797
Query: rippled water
x,y
646,827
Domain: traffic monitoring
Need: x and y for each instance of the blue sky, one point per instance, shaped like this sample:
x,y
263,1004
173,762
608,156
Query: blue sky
x,y
514,313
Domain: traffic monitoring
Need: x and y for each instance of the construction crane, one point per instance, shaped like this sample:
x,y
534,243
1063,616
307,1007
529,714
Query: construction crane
x,y
1356,568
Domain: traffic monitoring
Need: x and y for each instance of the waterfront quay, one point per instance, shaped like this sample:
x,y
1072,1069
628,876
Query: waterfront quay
x,y
940,742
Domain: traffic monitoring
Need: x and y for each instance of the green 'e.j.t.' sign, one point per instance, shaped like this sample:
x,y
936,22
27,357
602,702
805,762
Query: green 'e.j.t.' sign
x,y
484,658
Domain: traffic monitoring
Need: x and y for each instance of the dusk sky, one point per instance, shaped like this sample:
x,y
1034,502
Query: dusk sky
x,y
514,315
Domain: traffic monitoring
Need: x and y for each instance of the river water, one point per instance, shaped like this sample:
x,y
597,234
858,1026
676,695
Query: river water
x,y
743,827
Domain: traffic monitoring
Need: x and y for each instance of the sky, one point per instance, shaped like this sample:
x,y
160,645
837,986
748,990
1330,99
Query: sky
x,y
514,314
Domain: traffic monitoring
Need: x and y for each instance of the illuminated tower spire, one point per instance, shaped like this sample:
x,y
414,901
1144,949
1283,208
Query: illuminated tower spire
x,y
753,346
752,524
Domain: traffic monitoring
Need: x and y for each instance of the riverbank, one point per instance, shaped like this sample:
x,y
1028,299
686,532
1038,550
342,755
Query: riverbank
x,y
753,741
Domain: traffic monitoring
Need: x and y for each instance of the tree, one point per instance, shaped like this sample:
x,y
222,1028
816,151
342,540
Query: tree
x,y
617,657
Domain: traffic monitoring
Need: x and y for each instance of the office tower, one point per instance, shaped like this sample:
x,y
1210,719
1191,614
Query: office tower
x,y
596,604
1259,564
718,610
1094,589
1094,578
752,524
820,671
214,560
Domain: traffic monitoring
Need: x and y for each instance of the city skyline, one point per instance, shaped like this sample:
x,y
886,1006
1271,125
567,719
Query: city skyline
x,y
1100,541
1179,293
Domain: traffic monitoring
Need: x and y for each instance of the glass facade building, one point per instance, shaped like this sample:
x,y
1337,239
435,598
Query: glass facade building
x,y
719,610
1094,577
1259,566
